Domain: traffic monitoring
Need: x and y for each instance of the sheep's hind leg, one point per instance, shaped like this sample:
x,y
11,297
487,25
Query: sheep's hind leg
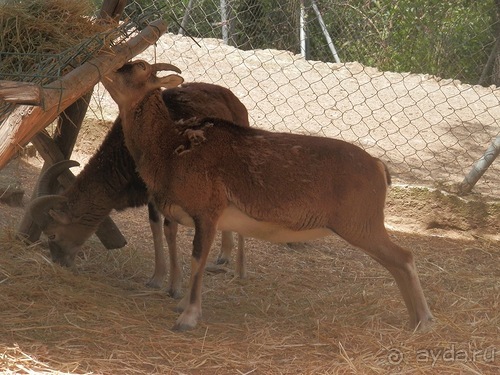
x,y
400,263
226,247
224,256
241,269
170,228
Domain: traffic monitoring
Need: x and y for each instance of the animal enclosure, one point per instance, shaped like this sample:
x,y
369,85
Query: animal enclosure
x,y
316,308
429,130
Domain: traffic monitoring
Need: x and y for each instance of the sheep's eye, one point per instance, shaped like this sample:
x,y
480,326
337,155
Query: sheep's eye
x,y
52,237
142,65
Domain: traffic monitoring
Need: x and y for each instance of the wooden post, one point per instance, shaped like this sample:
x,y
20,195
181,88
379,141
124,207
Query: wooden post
x,y
61,147
69,124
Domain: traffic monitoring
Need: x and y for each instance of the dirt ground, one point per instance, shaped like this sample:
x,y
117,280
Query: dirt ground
x,y
318,308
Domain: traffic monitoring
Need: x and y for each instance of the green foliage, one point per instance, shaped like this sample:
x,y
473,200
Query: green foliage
x,y
267,24
448,38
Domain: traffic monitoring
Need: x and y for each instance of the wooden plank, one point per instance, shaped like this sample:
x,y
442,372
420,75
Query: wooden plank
x,y
25,121
20,92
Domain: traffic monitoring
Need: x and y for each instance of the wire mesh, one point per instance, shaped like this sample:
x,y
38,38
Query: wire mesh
x,y
430,126
429,129
44,68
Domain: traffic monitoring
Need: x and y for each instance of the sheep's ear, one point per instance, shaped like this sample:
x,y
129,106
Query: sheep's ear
x,y
171,80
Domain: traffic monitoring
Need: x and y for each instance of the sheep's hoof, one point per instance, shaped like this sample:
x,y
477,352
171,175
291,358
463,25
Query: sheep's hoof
x,y
174,293
153,284
242,274
187,320
425,325
181,327
222,261
178,309
216,269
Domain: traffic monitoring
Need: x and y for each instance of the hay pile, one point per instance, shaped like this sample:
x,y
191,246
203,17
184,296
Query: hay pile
x,y
316,309
31,30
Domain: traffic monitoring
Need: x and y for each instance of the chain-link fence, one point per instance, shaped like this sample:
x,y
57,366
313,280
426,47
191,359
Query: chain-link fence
x,y
339,69
429,130
448,38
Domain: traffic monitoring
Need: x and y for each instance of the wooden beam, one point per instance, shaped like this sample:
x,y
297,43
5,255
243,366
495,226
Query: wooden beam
x,y
21,92
25,121
69,124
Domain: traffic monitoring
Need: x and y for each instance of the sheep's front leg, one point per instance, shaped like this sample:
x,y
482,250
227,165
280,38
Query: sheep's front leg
x,y
191,304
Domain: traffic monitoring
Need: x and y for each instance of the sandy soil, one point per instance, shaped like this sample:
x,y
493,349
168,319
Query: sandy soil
x,y
429,130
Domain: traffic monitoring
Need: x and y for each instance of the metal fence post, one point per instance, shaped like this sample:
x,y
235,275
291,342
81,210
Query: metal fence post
x,y
480,167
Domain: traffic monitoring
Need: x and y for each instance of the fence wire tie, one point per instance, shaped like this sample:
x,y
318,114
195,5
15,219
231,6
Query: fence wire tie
x,y
185,31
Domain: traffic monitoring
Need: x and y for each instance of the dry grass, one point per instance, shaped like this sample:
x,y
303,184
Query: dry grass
x,y
34,29
316,309
321,308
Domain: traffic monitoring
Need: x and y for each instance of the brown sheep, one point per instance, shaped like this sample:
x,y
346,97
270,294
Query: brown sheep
x,y
110,181
279,187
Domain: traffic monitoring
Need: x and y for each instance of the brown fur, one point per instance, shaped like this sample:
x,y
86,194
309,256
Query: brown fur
x,y
110,181
276,186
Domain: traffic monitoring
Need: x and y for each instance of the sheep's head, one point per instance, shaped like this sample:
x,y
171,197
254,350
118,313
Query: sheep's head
x,y
65,232
51,213
134,80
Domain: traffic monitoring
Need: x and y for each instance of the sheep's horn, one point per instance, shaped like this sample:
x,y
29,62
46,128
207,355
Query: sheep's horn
x,y
165,66
49,176
39,207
